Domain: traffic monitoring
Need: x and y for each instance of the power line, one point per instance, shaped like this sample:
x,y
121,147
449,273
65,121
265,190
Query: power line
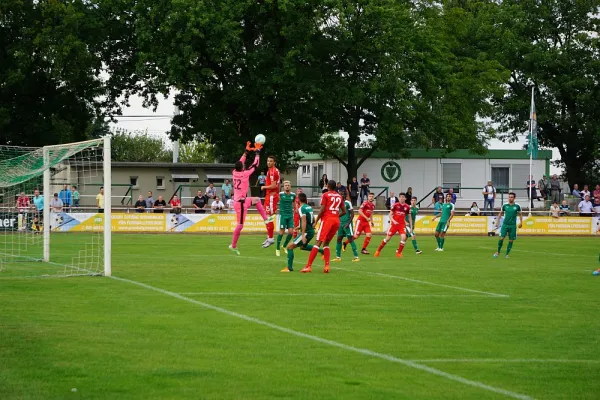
x,y
139,116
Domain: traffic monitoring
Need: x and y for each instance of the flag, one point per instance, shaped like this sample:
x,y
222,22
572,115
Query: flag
x,y
532,147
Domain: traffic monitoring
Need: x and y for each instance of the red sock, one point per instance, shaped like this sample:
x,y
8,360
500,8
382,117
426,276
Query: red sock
x,y
366,243
295,234
311,257
327,254
382,245
401,247
270,229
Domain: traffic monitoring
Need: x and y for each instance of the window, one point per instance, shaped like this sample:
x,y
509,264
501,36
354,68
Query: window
x,y
306,171
451,176
520,176
133,181
160,182
501,179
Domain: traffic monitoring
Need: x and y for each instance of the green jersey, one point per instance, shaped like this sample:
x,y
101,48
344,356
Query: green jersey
x,y
76,195
511,211
307,210
286,204
345,219
447,209
413,214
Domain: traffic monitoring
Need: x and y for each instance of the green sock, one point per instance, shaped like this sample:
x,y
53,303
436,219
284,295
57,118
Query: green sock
x,y
442,240
290,259
287,240
500,243
279,237
437,239
354,249
338,249
509,247
415,245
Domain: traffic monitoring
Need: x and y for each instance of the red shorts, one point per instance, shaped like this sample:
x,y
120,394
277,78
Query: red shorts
x,y
271,203
241,209
361,226
328,230
397,228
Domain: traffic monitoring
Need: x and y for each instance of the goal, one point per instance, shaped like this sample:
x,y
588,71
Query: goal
x,y
55,210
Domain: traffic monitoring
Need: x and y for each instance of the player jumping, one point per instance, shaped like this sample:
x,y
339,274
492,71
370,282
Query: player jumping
x,y
307,231
364,222
398,214
509,226
442,227
346,231
241,182
271,198
285,217
332,208
412,218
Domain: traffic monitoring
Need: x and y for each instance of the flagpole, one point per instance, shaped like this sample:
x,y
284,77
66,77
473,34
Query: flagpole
x,y
530,178
531,152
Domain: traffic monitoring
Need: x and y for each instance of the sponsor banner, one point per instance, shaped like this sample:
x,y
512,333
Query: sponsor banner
x,y
459,225
138,222
10,221
557,226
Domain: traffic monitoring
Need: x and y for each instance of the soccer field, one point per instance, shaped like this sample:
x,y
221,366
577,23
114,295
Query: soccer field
x,y
183,318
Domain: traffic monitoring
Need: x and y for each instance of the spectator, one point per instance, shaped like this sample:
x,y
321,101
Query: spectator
x,y
211,191
585,207
38,218
409,194
56,204
544,187
489,196
597,192
100,200
262,181
555,189
564,208
140,204
229,204
23,206
451,192
65,196
585,192
554,210
437,209
596,205
159,205
323,183
341,188
474,212
75,195
354,188
436,196
226,189
576,192
531,190
216,206
390,201
199,203
365,184
175,204
149,201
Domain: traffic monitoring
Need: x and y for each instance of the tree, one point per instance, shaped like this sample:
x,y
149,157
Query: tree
x,y
552,46
138,147
196,152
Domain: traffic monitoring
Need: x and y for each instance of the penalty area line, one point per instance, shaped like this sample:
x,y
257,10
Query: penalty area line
x,y
332,294
387,357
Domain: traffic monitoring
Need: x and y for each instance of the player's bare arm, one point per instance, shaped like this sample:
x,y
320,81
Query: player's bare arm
x,y
392,218
498,218
343,208
520,219
320,215
303,225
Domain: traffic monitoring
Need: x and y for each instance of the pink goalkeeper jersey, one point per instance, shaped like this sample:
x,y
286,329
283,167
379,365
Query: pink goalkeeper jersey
x,y
241,180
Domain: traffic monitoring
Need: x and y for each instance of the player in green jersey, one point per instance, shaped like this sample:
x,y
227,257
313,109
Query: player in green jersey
x,y
445,217
414,209
346,230
509,226
307,232
285,216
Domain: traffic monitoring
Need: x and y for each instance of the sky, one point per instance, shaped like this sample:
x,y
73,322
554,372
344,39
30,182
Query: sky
x,y
159,126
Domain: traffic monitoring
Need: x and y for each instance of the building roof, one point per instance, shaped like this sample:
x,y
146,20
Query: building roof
x,y
441,153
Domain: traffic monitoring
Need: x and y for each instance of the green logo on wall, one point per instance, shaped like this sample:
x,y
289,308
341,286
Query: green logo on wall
x,y
391,171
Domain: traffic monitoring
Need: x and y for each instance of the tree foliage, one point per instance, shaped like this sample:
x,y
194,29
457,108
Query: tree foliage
x,y
196,152
138,147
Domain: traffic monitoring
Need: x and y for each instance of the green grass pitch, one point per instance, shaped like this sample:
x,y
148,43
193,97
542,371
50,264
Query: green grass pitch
x,y
196,322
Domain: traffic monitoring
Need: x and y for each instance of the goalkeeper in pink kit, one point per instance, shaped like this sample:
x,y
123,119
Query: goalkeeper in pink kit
x,y
241,203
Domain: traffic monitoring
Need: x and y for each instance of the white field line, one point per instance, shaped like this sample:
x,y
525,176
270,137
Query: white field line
x,y
388,276
331,294
506,361
387,357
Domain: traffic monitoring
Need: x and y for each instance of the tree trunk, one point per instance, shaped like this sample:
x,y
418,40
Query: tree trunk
x,y
352,165
574,168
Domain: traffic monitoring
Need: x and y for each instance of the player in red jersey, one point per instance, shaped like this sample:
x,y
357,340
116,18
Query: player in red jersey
x,y
332,208
364,222
398,215
271,198
296,215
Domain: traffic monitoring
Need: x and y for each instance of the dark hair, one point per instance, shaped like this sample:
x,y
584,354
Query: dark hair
x,y
331,184
75,187
513,193
401,194
302,197
414,197
101,187
272,157
239,166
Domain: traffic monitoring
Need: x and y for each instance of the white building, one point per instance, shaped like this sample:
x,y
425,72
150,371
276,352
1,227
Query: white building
x,y
423,170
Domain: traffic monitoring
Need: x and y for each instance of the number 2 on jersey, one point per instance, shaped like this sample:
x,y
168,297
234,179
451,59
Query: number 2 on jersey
x,y
237,184
335,204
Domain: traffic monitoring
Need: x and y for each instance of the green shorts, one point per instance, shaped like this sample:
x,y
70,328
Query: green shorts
x,y
409,233
510,230
298,241
442,227
285,221
349,231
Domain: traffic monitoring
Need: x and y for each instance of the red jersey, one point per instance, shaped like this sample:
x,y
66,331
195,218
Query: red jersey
x,y
332,202
399,212
23,202
367,208
273,177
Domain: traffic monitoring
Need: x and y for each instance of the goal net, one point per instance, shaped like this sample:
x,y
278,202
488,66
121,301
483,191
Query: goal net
x,y
48,195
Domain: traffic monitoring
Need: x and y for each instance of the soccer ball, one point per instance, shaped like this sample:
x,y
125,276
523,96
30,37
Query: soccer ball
x,y
260,139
